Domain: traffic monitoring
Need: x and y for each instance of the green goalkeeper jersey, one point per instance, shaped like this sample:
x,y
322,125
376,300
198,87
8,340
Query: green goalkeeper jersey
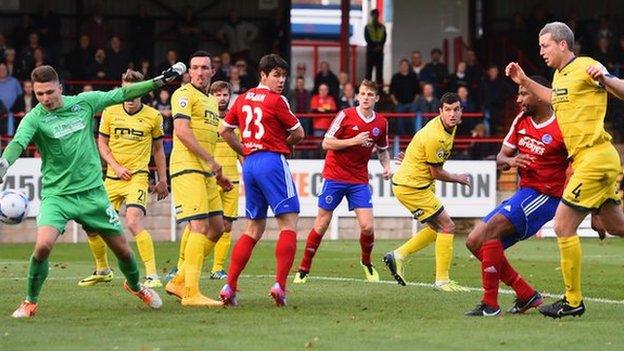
x,y
64,138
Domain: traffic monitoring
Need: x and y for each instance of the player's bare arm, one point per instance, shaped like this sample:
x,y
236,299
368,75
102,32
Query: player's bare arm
x,y
330,143
295,136
231,139
384,159
158,150
516,73
508,158
613,84
439,173
106,153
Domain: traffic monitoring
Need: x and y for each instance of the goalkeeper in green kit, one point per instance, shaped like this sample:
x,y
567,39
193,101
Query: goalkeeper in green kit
x,y
62,128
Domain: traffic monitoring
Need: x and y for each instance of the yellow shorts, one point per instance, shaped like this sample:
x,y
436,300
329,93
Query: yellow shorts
x,y
422,203
195,196
229,199
594,181
133,192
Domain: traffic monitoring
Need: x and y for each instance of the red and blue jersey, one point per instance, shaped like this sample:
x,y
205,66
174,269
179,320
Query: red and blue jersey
x,y
264,119
544,141
350,165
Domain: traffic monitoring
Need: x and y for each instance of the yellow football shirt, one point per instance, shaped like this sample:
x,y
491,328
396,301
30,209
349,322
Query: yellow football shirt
x,y
130,136
580,105
432,145
202,111
227,158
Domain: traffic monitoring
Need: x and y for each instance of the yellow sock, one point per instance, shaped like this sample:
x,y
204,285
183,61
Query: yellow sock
x,y
221,251
194,260
146,251
444,255
417,242
183,240
570,250
98,249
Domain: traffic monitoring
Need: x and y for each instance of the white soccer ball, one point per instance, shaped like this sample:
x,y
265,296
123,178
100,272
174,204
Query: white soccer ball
x,y
13,206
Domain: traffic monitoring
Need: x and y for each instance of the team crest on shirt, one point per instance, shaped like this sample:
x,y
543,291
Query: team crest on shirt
x,y
547,139
183,102
440,153
75,108
376,132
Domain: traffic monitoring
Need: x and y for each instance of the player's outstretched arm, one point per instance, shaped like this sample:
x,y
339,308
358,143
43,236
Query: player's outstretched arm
x,y
158,151
613,84
439,173
516,73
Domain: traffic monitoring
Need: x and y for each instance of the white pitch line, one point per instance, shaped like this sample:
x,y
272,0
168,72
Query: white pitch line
x,y
357,280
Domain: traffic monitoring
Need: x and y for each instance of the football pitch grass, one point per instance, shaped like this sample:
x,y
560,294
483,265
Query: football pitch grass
x,y
335,310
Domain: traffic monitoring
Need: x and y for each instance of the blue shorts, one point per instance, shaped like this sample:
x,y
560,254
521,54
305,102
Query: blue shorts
x,y
268,182
358,195
527,210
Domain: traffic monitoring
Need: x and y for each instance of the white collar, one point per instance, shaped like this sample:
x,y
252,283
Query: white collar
x,y
262,86
364,118
544,124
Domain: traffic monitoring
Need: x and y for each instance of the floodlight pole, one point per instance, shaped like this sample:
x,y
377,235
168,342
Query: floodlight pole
x,y
345,6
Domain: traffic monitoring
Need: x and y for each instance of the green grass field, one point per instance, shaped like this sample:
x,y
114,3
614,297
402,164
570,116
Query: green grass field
x,y
335,310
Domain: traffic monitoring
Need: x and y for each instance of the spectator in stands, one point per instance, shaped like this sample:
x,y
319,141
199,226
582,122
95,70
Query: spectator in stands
x,y
87,88
38,59
99,68
605,29
481,150
348,97
426,103
218,72
26,101
417,64
494,91
468,106
518,33
343,78
163,104
142,35
300,103
3,46
49,27
404,89
96,28
435,72
186,78
117,58
300,71
248,77
237,35
10,89
13,68
21,33
171,57
81,58
226,62
27,54
145,67
322,102
459,78
604,54
235,81
327,77
375,36
474,71
188,33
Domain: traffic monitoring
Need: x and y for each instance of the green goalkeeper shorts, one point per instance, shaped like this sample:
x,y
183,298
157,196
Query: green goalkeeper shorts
x,y
90,208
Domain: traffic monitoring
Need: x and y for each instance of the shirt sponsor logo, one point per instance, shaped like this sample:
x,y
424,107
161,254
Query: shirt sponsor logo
x,y
537,147
66,128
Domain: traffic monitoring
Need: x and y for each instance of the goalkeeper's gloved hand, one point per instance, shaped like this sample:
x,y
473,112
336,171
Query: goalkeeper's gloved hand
x,y
170,74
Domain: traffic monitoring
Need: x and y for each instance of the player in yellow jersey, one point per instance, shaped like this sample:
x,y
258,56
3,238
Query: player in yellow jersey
x,y
579,98
228,159
195,177
128,134
414,186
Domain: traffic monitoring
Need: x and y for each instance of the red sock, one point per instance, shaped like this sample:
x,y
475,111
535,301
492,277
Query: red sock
x,y
312,244
366,243
240,256
510,277
492,254
285,251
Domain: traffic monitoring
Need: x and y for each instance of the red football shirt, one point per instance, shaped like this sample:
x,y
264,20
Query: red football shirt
x,y
547,173
264,118
350,165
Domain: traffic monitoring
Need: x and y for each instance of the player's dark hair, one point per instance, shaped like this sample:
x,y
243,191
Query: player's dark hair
x,y
542,81
271,62
220,85
44,74
132,77
370,85
449,98
199,53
